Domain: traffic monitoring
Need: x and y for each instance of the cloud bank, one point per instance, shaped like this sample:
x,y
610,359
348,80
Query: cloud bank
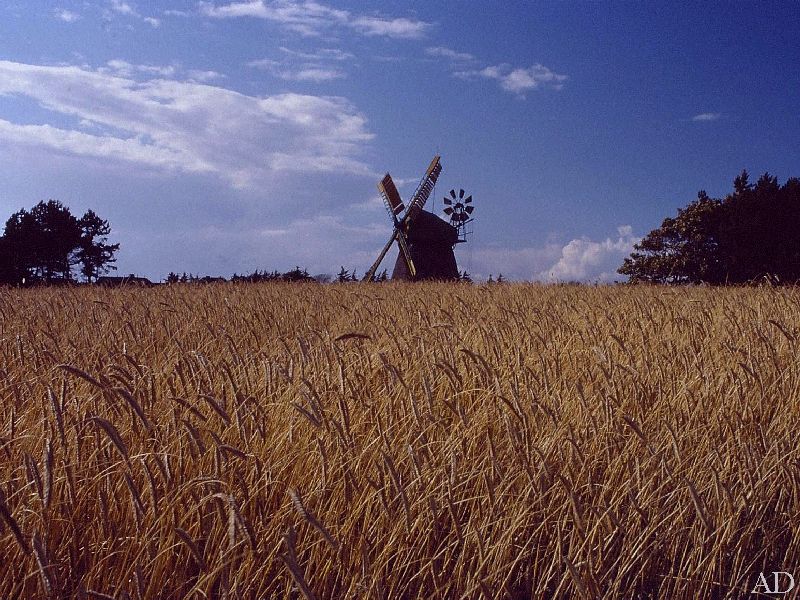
x,y
587,260
183,125
580,259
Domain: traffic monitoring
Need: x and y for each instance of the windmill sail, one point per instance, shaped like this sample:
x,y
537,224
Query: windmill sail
x,y
390,195
424,188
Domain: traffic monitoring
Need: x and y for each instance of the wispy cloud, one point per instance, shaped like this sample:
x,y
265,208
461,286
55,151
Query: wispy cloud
x,y
203,76
707,116
126,69
186,126
66,15
393,28
313,73
449,53
312,66
321,243
518,80
123,8
311,18
320,54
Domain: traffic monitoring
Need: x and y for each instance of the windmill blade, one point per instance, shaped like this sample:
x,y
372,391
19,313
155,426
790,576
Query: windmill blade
x,y
460,194
391,197
469,209
453,194
468,200
448,210
373,269
401,240
447,200
424,188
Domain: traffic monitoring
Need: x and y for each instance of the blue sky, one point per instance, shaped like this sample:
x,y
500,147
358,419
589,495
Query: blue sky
x,y
222,137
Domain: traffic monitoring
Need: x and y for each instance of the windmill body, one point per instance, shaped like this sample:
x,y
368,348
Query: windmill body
x,y
425,241
430,243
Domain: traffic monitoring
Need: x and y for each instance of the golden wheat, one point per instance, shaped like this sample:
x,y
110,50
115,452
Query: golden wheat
x,y
397,441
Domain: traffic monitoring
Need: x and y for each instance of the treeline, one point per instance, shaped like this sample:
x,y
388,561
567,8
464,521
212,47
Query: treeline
x,y
294,275
299,275
751,235
49,245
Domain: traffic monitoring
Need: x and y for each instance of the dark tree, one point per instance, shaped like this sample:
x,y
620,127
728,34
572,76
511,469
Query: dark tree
x,y
20,242
343,276
683,250
43,242
752,234
44,245
297,274
10,269
95,254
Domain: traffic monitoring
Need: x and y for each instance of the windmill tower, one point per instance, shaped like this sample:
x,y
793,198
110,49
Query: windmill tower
x,y
425,241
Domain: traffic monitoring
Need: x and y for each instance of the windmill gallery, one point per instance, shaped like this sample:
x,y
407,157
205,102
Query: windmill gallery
x,y
425,241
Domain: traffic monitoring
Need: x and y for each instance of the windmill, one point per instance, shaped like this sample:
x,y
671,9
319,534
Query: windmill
x,y
425,241
459,210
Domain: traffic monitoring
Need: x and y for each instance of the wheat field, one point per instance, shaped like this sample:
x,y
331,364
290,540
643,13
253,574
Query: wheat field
x,y
397,441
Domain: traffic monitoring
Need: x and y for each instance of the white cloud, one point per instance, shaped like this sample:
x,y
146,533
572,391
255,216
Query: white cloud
x,y
313,73
311,18
394,28
66,15
450,54
580,259
518,80
587,260
707,116
186,126
123,8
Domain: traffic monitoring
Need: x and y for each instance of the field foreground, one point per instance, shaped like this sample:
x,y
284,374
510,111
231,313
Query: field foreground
x,y
397,441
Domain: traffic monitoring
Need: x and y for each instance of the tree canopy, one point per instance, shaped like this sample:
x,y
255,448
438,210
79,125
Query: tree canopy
x,y
751,234
47,243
